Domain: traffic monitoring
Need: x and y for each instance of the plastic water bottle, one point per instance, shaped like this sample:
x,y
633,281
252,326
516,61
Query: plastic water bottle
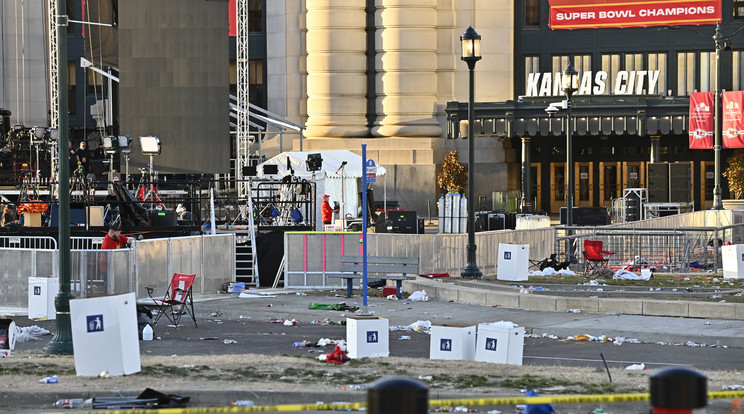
x,y
147,333
243,403
70,403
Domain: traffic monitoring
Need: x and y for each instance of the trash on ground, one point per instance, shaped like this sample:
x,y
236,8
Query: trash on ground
x,y
404,338
435,275
149,398
636,367
327,321
289,322
50,380
418,326
229,341
419,295
73,403
254,295
733,387
208,338
338,356
627,275
29,333
339,307
537,408
243,403
391,297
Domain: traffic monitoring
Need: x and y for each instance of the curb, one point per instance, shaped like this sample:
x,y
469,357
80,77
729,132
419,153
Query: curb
x,y
509,298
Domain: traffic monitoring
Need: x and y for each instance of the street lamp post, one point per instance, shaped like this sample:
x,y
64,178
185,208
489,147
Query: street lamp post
x,y
470,41
717,201
570,85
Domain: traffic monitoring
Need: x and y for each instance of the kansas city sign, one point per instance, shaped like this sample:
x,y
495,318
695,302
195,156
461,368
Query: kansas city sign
x,y
626,82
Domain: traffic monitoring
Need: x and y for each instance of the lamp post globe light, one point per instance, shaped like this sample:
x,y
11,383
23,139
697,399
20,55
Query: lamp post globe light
x,y
470,41
570,86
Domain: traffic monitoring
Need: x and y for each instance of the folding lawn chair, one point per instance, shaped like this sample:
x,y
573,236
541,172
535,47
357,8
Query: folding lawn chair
x,y
178,299
594,256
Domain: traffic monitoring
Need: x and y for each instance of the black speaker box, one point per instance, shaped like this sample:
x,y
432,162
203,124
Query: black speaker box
x,y
403,221
496,221
587,216
162,217
656,195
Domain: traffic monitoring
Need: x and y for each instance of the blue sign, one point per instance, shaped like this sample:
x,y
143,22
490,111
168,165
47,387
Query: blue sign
x,y
95,323
372,337
37,290
445,344
370,170
491,344
507,255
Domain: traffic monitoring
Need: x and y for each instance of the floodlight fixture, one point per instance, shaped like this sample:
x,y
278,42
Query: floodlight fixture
x,y
53,134
125,144
39,132
110,145
150,145
314,162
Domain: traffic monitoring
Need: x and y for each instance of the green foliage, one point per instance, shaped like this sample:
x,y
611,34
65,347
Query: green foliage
x,y
735,174
454,176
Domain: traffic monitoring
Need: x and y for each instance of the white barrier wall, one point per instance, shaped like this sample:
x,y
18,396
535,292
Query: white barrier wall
x,y
98,272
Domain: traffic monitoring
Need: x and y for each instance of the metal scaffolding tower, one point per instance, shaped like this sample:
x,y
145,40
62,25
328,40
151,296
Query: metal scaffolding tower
x,y
242,138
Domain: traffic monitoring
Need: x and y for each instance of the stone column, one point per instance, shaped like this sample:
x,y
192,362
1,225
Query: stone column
x,y
406,69
526,175
336,65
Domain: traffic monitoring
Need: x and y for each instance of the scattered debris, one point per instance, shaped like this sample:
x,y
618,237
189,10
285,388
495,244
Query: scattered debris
x,y
50,380
419,295
636,367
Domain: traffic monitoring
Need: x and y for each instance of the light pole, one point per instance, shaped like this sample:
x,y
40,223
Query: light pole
x,y
570,85
717,201
470,41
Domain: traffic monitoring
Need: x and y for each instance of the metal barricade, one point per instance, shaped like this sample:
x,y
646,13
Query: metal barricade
x,y
29,242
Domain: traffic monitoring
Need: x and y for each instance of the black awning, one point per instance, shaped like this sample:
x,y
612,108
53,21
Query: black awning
x,y
596,115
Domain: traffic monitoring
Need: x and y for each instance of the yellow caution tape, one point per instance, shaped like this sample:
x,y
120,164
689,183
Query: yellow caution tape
x,y
552,399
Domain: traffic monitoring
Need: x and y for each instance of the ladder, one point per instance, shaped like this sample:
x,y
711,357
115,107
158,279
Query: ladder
x,y
246,262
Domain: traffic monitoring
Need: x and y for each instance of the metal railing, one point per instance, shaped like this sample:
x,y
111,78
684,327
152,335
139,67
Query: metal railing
x,y
679,243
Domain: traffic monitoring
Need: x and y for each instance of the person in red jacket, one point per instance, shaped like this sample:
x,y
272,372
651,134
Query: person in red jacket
x,y
114,239
326,211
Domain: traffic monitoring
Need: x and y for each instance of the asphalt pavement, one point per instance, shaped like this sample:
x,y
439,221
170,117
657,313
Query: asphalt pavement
x,y
253,323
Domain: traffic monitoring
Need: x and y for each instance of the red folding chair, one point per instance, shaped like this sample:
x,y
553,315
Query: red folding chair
x,y
178,299
594,256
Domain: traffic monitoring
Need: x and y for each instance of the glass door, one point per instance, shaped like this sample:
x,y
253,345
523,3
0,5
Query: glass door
x,y
557,186
609,183
584,183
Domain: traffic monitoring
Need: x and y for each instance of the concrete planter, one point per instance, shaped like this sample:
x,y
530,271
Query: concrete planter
x,y
733,204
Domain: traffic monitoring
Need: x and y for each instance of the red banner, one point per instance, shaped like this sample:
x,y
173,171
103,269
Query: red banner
x,y
732,132
701,120
599,14
232,26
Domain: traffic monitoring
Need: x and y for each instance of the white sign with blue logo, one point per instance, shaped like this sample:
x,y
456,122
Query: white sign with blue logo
x,y
445,344
507,255
373,337
491,344
105,335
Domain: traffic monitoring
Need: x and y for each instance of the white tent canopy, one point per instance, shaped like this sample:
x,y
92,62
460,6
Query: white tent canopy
x,y
331,179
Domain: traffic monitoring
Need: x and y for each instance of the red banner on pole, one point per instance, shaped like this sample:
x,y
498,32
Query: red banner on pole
x,y
701,120
599,14
732,132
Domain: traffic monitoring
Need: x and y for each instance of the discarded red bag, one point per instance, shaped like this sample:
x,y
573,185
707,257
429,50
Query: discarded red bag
x,y
337,356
